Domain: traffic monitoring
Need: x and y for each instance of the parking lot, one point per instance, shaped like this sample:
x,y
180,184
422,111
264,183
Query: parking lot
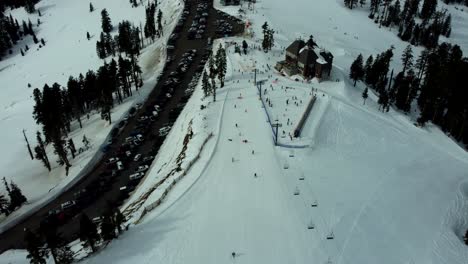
x,y
136,139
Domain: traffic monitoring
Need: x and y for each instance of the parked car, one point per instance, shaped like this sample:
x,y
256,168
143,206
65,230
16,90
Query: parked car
x,y
142,168
137,157
68,205
136,176
112,160
120,165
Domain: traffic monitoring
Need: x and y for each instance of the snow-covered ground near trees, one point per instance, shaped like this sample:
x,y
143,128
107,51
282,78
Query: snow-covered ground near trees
x,y
388,191
67,52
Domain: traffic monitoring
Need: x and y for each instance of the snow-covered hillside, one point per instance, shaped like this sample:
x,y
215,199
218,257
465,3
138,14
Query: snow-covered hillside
x,y
67,52
370,188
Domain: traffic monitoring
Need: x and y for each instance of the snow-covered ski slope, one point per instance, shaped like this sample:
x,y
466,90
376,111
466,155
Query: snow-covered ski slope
x,y
389,192
67,52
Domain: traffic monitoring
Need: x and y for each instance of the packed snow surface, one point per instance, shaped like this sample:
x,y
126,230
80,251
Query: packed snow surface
x,y
371,188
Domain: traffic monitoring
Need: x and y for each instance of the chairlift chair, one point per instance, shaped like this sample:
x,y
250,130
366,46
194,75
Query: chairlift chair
x,y
296,191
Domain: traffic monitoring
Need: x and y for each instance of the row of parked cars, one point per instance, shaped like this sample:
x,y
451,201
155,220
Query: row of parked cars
x,y
198,27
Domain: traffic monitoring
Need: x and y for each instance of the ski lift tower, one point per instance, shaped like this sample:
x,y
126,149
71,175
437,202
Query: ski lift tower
x,y
276,125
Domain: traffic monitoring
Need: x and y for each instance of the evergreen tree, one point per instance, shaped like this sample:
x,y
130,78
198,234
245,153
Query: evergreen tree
x,y
266,36
91,7
35,38
88,233
40,151
4,205
368,69
29,6
213,73
221,64
107,228
88,36
365,95
407,58
106,21
56,245
71,147
160,27
37,254
7,187
60,151
245,46
357,69
119,219
150,24
205,84
350,3
16,197
428,8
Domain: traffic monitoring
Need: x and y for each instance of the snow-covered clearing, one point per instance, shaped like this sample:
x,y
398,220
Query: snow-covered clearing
x,y
388,191
67,52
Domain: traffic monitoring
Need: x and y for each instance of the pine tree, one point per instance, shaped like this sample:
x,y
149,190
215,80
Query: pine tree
x,y
4,205
56,245
71,147
16,197
365,95
30,27
88,233
221,64
150,24
428,8
29,6
357,70
88,36
212,69
106,21
107,228
206,84
160,27
266,35
37,254
119,219
91,7
7,186
407,58
368,69
40,151
35,38
245,46
60,151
